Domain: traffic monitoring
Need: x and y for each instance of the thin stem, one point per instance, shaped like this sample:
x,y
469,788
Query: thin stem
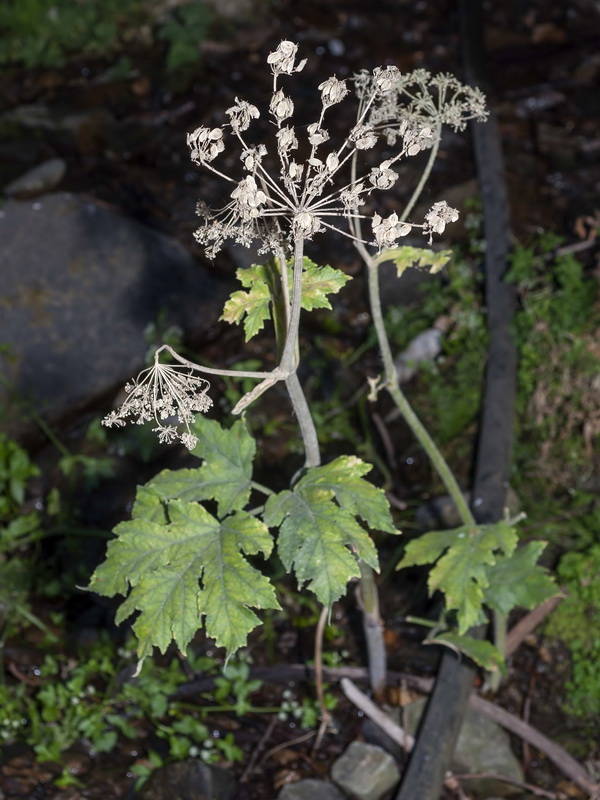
x,y
425,176
228,373
393,387
500,624
325,715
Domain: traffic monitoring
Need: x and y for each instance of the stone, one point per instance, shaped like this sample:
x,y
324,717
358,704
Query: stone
x,y
482,747
440,513
310,789
43,178
80,283
189,780
365,772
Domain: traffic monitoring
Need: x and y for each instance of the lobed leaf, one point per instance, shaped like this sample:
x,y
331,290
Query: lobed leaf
x,y
320,538
344,477
253,307
226,473
519,580
462,559
318,282
191,566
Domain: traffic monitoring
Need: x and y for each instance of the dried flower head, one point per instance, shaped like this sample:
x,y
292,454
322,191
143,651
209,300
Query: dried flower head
x,y
301,199
420,98
169,394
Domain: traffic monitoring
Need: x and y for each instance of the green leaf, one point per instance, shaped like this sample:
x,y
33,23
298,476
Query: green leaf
x,y
320,538
461,573
226,473
191,566
481,652
344,477
421,258
519,581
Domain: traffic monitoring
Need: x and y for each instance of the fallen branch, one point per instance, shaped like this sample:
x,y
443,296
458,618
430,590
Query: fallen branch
x,y
528,624
569,766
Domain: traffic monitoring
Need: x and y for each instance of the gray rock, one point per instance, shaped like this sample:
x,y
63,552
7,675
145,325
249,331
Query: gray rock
x,y
42,117
365,772
310,789
424,347
79,285
440,513
189,780
482,747
43,178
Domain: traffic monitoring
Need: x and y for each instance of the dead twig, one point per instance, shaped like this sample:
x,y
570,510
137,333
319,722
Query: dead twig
x,y
519,632
528,787
257,750
379,717
569,766
325,715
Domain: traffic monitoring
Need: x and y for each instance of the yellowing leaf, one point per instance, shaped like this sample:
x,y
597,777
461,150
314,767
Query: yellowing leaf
x,y
318,282
254,304
254,307
418,257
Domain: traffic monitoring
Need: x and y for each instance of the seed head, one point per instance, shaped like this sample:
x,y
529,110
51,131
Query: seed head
x,y
164,392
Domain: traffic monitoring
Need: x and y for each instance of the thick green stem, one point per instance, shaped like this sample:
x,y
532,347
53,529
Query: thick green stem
x,y
305,421
288,357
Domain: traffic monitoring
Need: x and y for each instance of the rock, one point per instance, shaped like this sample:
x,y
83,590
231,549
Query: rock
x,y
373,734
365,772
189,780
40,179
310,789
424,347
440,513
80,283
482,746
41,117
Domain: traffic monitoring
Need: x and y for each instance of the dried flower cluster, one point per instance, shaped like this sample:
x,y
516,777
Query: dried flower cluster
x,y
419,103
301,199
169,394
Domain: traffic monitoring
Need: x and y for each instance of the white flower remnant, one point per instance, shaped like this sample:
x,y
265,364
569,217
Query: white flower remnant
x,y
439,216
303,198
169,394
388,231
280,200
